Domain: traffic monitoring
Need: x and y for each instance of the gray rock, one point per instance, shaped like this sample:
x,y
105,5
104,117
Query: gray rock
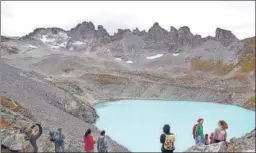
x,y
157,33
83,31
14,142
216,147
226,37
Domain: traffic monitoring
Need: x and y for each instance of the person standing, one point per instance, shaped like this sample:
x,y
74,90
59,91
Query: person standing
x,y
102,144
29,136
200,132
89,141
220,133
167,140
59,141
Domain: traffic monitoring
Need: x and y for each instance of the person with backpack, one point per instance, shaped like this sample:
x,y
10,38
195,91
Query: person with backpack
x,y
198,133
102,144
167,140
220,133
89,141
29,136
59,141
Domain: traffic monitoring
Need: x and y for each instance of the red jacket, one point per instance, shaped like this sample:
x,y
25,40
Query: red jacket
x,y
89,142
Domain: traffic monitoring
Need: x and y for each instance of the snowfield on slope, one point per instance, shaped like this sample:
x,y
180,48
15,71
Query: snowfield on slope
x,y
154,57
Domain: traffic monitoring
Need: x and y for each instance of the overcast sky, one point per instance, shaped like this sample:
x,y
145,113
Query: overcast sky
x,y
202,17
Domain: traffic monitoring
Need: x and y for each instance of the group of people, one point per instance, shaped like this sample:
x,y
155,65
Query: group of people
x,y
30,139
219,135
89,142
167,139
56,140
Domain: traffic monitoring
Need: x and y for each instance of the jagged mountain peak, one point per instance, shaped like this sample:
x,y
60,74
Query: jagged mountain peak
x,y
184,29
102,32
173,29
156,26
86,25
226,37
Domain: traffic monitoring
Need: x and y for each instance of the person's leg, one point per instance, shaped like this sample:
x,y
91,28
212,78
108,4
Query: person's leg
x,y
62,147
58,149
200,140
196,140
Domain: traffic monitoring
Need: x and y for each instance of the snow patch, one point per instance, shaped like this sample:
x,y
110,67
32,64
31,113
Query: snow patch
x,y
175,54
31,46
44,39
118,59
154,57
62,45
63,35
55,47
78,43
129,62
49,79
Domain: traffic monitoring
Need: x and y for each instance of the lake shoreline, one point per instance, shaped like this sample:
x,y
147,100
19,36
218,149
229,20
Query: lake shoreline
x,y
111,100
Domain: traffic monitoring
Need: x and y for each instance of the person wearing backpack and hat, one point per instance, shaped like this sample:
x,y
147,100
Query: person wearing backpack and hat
x,y
167,139
198,133
59,141
102,144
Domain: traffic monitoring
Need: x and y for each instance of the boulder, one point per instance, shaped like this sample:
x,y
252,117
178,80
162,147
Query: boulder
x,y
14,142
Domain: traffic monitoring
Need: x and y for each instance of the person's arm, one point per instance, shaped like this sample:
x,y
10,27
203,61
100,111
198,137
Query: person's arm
x,y
32,126
162,138
98,144
106,143
225,138
39,132
94,141
63,136
216,133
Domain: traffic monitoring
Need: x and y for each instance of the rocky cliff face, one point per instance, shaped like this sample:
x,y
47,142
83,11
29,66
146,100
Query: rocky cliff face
x,y
226,37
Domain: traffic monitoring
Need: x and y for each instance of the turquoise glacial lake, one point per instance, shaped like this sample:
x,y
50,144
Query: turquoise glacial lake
x,y
137,124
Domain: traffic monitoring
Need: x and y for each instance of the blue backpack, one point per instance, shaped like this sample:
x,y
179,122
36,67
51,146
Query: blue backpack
x,y
58,140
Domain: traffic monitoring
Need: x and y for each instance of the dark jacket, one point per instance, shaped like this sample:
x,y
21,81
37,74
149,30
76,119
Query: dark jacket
x,y
166,130
33,138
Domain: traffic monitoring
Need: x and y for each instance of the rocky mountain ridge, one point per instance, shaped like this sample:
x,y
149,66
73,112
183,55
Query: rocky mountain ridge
x,y
85,34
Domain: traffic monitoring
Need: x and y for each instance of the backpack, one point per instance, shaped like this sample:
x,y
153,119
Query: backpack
x,y
195,130
169,142
58,139
101,145
27,146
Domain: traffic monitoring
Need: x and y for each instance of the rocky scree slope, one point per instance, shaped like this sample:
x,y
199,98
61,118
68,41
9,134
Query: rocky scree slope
x,y
243,144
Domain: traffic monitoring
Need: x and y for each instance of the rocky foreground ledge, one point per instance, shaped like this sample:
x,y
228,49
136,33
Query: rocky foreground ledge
x,y
243,144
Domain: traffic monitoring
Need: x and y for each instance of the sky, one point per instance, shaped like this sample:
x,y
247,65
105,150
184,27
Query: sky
x,y
19,18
